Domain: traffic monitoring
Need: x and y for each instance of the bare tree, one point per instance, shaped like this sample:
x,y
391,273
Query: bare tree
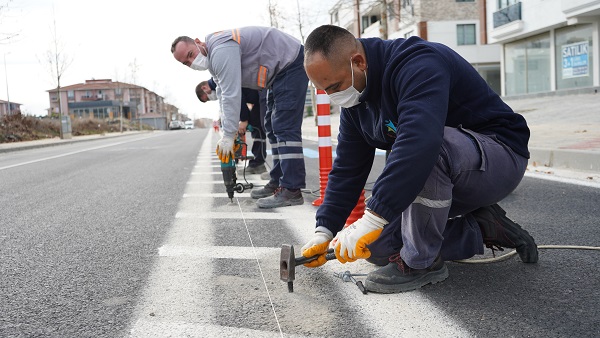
x,y
275,17
4,36
134,68
58,62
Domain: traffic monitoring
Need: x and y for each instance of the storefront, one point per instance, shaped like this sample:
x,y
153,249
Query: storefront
x,y
560,59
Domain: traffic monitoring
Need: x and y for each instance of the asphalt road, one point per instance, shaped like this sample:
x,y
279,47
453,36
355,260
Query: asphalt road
x,y
134,237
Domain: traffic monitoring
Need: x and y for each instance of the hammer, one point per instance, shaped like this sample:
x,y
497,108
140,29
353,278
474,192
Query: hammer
x,y
287,264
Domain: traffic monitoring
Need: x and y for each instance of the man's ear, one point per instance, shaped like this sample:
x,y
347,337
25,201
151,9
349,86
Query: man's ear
x,y
360,61
196,40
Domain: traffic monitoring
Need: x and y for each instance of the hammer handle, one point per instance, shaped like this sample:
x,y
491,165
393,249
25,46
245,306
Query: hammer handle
x,y
302,260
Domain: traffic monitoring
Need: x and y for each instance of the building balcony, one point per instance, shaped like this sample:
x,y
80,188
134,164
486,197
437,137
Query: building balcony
x,y
507,15
573,8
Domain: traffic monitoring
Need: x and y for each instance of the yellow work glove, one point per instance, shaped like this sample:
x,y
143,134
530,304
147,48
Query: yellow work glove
x,y
353,240
318,245
226,148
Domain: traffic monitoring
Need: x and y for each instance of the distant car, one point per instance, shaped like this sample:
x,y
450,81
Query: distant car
x,y
176,125
189,124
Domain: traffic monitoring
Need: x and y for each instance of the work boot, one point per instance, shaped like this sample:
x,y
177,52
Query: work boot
x,y
267,190
283,197
500,232
379,261
398,277
265,176
257,169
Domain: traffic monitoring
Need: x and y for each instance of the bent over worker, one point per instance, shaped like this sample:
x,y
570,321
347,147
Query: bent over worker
x,y
254,116
456,150
258,58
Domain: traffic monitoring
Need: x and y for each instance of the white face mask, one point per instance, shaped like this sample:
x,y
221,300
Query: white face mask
x,y
212,96
348,97
200,62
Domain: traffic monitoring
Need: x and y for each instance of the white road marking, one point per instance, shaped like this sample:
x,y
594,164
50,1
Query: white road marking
x,y
177,303
77,152
229,252
567,180
233,215
148,328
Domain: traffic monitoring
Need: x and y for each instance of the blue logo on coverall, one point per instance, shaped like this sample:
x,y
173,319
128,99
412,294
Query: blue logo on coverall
x,y
391,129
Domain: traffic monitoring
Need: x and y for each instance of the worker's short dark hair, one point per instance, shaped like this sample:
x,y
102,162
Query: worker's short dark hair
x,y
327,40
202,96
185,39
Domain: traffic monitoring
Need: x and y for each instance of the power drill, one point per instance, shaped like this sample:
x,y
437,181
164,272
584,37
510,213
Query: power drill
x,y
229,168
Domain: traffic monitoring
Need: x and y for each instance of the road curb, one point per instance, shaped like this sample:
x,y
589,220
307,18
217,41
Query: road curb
x,y
583,160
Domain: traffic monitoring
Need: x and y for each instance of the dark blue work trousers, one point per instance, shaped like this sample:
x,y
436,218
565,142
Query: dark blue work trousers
x,y
283,124
472,171
259,137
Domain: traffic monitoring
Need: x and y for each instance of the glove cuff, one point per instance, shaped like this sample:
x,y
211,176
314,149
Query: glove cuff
x,y
380,222
325,232
229,136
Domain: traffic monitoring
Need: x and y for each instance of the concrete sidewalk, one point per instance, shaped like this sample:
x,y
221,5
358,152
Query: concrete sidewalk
x,y
565,130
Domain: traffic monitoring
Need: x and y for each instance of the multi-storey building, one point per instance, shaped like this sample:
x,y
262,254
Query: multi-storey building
x,y
548,46
459,24
105,99
6,110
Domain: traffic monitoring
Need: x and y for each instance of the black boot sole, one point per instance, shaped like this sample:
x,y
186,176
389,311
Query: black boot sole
x,y
527,249
432,277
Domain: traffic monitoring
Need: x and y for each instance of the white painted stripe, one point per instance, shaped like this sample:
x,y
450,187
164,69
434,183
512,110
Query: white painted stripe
x,y
436,204
322,99
78,151
233,215
574,181
144,328
204,182
207,195
324,120
324,141
229,252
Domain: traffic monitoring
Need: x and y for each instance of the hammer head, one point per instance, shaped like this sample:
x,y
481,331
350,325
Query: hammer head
x,y
287,266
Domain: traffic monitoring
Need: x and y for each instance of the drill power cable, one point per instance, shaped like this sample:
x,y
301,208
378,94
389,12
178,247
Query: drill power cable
x,y
259,268
514,252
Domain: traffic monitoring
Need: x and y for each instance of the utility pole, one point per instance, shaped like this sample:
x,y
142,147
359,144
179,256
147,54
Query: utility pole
x,y
383,22
120,105
6,76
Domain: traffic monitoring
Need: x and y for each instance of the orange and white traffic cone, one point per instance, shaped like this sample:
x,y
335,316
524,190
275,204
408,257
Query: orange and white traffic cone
x,y
325,151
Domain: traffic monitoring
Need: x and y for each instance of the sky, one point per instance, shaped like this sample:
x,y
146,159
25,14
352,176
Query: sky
x,y
103,39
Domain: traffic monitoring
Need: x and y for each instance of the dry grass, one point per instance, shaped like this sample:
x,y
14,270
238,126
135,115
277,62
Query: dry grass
x,y
16,128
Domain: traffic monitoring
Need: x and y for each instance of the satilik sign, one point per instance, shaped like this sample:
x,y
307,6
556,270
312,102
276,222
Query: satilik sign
x,y
575,60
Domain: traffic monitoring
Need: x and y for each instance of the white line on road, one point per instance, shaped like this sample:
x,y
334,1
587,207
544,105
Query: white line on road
x,y
77,152
229,252
233,215
563,180
177,300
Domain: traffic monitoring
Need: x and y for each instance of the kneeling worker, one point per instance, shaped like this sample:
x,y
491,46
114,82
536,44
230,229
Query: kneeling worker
x,y
456,150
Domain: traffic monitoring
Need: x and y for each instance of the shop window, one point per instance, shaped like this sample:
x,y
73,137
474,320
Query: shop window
x,y
527,65
574,56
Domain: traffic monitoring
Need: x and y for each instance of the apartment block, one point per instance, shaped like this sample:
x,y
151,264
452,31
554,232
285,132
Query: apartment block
x,y
9,108
547,46
461,25
105,99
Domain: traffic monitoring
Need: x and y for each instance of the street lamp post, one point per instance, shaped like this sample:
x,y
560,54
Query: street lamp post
x,y
6,77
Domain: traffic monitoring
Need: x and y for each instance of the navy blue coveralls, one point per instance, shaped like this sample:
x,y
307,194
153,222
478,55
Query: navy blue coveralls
x,y
255,118
455,147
